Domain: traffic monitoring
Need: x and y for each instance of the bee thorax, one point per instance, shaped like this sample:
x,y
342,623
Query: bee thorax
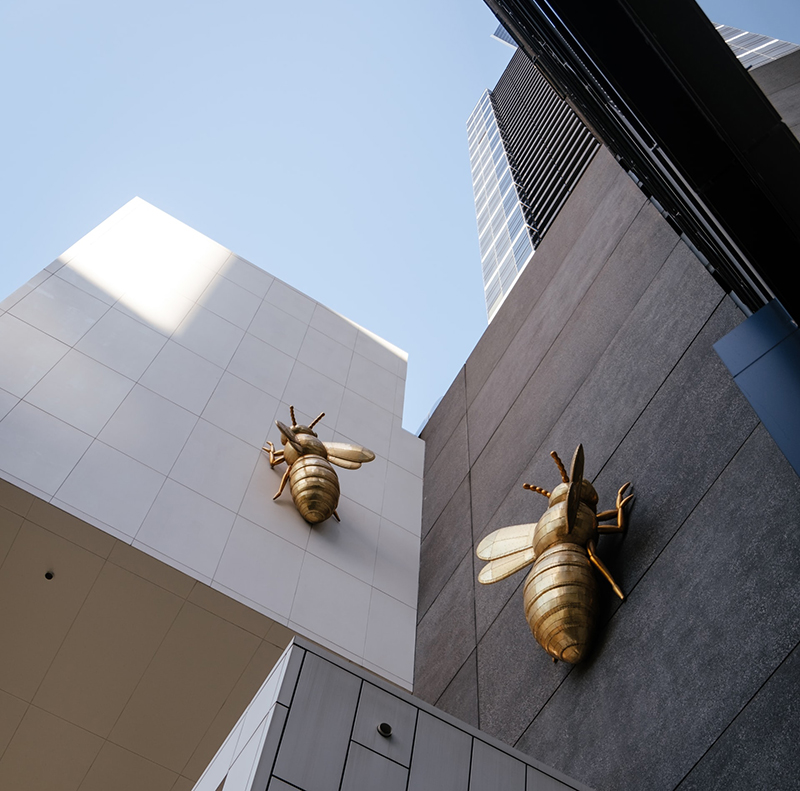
x,y
312,445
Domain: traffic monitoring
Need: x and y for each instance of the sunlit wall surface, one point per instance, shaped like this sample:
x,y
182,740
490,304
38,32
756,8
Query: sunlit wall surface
x,y
140,375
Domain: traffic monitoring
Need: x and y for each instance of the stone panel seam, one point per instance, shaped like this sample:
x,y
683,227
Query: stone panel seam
x,y
436,598
644,573
663,383
420,616
559,334
734,719
611,252
537,450
688,516
474,591
450,683
655,559
428,464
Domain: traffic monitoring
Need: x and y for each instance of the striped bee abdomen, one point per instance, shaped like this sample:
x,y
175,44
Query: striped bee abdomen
x,y
314,487
561,601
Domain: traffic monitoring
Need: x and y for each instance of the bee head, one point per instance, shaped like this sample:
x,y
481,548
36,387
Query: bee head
x,y
299,428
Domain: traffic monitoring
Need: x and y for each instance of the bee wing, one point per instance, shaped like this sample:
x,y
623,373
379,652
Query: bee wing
x,y
505,541
500,568
574,491
351,457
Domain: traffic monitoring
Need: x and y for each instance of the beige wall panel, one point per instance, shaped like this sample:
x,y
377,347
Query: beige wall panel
x,y
51,605
246,687
9,527
107,650
121,770
12,710
190,677
14,498
47,753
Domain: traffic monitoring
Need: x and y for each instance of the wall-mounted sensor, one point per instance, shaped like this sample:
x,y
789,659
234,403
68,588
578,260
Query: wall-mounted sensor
x,y
384,729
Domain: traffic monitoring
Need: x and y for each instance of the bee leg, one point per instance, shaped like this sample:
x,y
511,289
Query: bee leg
x,y
603,570
618,512
283,484
274,457
336,516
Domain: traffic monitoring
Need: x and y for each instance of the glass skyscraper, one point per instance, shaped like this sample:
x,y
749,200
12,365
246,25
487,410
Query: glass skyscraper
x,y
527,151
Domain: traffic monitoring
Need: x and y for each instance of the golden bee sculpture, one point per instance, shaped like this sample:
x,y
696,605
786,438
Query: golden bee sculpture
x,y
560,593
312,480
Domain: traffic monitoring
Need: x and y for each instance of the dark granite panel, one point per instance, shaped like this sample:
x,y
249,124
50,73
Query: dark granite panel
x,y
515,675
446,634
690,430
444,476
444,420
461,696
654,333
715,614
759,749
787,103
607,403
443,547
613,217
548,259
779,74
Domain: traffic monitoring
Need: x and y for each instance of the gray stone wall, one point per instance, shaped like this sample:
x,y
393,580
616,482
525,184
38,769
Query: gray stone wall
x,y
607,339
780,81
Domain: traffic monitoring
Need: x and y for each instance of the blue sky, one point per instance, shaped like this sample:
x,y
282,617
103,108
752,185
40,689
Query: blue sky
x,y
326,145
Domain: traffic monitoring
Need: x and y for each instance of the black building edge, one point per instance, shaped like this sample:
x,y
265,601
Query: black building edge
x,y
658,85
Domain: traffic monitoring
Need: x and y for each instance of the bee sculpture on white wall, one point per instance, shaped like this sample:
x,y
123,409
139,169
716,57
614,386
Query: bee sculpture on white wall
x,y
312,480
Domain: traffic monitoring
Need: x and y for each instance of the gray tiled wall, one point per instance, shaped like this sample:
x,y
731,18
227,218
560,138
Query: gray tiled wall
x,y
314,727
607,340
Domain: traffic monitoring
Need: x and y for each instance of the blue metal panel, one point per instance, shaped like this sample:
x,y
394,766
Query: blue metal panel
x,y
763,354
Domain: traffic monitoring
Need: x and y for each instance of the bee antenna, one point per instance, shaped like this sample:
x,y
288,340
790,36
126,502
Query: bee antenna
x,y
560,465
536,489
291,412
317,419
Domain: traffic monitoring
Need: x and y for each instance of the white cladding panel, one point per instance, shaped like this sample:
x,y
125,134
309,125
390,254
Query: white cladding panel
x,y
140,375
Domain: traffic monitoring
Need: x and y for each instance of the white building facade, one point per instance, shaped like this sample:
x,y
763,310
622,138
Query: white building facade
x,y
140,375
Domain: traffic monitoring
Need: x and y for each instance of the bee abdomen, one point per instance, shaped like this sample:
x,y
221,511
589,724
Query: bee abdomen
x,y
561,601
315,488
